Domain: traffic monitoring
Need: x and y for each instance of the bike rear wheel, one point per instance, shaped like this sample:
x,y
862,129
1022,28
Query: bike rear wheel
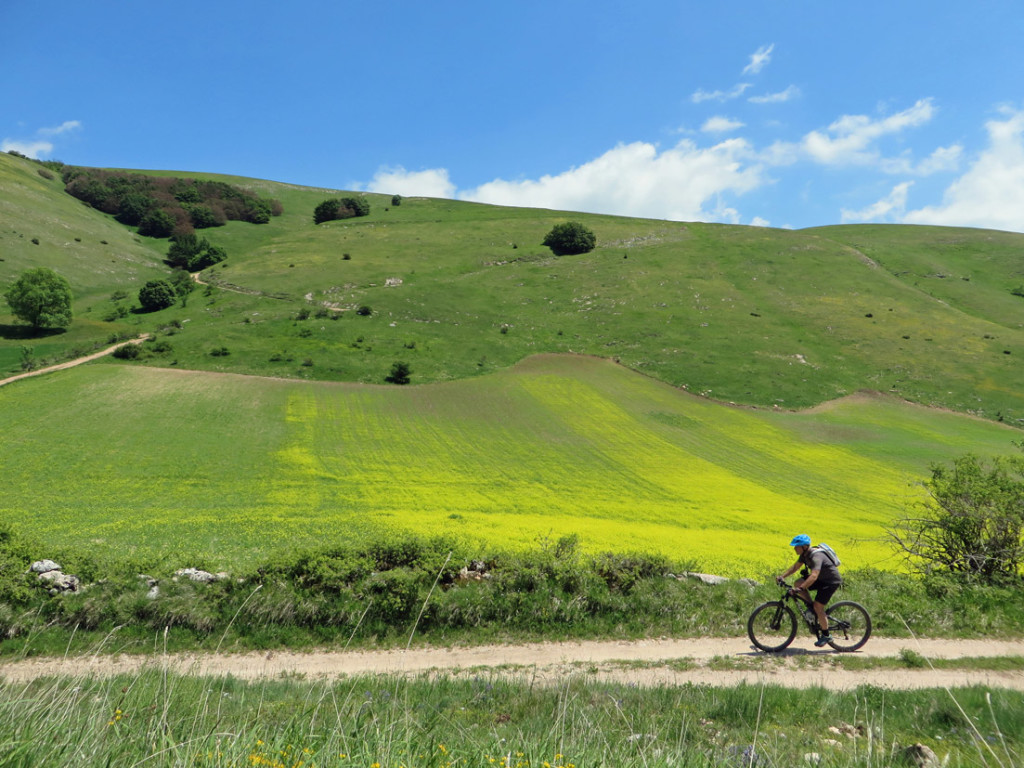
x,y
772,626
849,624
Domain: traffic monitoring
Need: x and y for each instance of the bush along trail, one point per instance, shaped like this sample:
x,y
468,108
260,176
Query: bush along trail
x,y
411,591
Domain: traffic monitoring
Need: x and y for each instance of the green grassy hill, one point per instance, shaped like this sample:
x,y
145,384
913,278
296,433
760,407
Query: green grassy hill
x,y
498,438
743,314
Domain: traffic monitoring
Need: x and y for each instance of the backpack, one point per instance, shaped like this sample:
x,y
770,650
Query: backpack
x,y
831,554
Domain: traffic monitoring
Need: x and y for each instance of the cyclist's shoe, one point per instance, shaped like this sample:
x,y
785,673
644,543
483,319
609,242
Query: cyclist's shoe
x,y
824,639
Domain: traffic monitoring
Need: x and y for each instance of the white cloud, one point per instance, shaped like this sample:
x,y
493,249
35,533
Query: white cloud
x,y
684,183
889,208
719,124
757,221
850,139
37,148
701,95
942,159
67,125
759,59
34,149
433,182
790,93
991,192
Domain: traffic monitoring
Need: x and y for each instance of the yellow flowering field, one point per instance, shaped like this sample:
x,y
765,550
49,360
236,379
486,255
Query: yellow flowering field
x,y
229,469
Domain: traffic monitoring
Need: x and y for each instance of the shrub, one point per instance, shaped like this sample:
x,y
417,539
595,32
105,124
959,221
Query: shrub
x,y
340,208
188,251
396,200
162,347
156,295
182,283
206,258
570,238
399,373
972,522
127,352
325,211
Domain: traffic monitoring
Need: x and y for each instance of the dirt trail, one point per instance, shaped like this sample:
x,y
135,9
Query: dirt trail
x,y
644,662
71,363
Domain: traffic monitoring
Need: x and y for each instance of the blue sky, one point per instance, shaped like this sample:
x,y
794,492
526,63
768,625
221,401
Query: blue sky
x,y
783,113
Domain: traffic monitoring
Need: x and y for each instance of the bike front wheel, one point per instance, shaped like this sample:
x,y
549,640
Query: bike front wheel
x,y
849,624
772,626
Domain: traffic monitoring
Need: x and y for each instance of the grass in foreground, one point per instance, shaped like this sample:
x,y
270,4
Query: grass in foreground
x,y
157,719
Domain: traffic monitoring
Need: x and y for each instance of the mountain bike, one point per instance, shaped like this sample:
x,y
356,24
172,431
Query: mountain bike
x,y
773,626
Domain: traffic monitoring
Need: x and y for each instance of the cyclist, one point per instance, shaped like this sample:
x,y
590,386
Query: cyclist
x,y
820,574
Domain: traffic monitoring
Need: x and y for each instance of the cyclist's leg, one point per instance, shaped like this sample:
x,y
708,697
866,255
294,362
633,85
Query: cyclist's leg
x,y
821,597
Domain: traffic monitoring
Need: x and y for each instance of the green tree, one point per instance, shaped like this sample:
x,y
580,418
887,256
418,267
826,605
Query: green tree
x,y
341,208
156,295
183,248
399,373
971,523
210,255
41,298
182,283
570,238
326,211
157,223
133,208
203,216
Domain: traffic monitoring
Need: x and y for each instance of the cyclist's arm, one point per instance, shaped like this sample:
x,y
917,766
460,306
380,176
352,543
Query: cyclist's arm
x,y
811,578
790,572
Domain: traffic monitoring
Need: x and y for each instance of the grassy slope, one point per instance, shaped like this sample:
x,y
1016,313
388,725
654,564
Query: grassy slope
x,y
749,315
221,467
95,253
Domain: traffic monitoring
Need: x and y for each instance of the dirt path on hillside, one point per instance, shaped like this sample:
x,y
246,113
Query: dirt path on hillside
x,y
77,361
711,661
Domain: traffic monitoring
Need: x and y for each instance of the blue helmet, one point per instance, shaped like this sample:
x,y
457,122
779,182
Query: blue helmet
x,y
803,540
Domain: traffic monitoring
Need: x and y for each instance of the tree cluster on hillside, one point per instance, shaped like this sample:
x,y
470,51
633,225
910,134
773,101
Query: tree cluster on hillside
x,y
341,208
162,207
570,238
193,253
41,298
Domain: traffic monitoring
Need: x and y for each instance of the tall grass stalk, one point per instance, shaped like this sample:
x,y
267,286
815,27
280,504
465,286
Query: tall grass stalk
x,y
980,740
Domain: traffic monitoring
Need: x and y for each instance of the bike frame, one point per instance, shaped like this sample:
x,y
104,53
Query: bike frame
x,y
791,593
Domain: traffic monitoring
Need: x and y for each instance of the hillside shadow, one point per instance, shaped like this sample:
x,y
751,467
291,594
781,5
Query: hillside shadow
x,y
27,332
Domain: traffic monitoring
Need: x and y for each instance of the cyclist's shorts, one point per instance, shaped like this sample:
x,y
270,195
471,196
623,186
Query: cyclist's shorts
x,y
824,593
